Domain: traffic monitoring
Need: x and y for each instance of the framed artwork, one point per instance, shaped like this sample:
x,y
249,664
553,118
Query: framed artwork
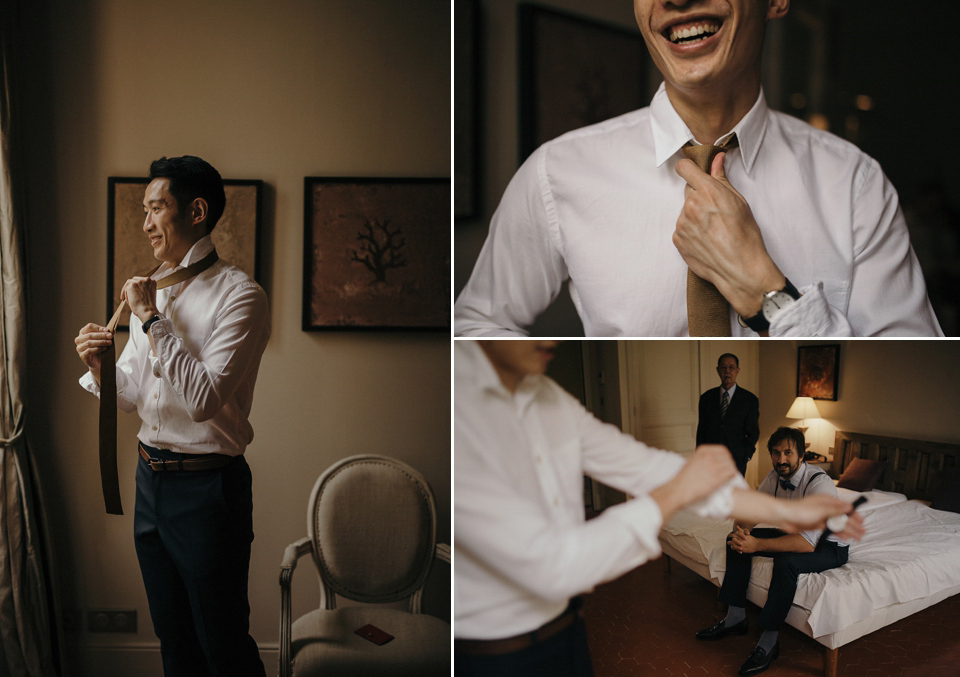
x,y
466,112
236,236
575,72
376,253
818,372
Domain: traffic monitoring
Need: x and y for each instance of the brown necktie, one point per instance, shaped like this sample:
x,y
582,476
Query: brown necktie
x,y
108,390
708,312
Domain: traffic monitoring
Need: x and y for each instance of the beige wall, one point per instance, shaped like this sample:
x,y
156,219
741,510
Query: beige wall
x,y
899,388
274,91
499,137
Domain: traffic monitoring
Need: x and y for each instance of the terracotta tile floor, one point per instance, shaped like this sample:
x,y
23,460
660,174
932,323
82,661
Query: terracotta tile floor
x,y
643,624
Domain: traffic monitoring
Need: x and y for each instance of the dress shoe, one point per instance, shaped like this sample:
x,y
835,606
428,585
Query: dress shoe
x,y
719,630
759,660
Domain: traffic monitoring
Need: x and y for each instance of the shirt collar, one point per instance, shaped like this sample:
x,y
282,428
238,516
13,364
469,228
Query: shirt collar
x,y
730,392
200,248
670,133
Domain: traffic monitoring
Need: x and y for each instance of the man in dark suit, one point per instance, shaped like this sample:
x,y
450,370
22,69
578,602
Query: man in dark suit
x,y
730,415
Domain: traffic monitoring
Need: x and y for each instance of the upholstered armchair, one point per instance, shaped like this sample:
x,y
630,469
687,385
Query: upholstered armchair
x,y
371,524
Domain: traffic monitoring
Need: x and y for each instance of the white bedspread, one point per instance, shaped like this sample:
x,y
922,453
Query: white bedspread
x,y
910,551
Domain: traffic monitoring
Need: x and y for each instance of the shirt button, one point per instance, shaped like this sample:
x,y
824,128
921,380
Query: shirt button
x,y
155,396
154,427
556,501
539,458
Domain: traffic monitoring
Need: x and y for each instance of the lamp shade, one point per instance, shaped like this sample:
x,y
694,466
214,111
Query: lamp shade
x,y
803,407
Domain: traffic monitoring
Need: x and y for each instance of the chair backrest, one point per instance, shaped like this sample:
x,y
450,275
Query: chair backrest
x,y
373,523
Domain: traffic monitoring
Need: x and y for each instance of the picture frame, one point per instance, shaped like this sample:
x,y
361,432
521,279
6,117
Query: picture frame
x,y
236,235
818,372
376,253
574,72
466,112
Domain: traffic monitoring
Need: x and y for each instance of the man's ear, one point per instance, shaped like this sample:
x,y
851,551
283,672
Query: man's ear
x,y
198,211
777,9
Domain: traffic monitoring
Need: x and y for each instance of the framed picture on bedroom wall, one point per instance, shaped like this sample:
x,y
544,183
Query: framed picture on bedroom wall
x,y
818,371
575,71
236,235
376,254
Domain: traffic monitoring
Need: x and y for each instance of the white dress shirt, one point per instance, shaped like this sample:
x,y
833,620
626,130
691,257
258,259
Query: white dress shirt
x,y
808,480
523,547
194,395
599,206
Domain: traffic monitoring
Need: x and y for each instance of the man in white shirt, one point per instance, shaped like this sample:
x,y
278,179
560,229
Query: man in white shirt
x,y
799,230
189,369
793,554
523,547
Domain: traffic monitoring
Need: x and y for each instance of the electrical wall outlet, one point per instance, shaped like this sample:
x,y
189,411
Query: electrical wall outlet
x,y
112,620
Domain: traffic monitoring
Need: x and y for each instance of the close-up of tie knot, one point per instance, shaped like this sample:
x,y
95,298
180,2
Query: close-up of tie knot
x,y
703,154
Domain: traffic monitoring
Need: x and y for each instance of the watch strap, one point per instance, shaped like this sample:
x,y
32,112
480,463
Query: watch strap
x,y
759,322
149,322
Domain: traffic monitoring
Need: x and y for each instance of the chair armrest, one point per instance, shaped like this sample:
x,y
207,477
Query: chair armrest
x,y
293,552
442,552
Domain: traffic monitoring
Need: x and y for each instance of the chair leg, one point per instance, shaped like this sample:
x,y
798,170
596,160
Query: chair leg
x,y
830,658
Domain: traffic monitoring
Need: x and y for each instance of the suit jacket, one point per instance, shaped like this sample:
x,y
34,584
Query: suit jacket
x,y
739,430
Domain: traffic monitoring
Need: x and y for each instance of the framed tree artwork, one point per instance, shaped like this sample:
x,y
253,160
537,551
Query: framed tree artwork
x,y
818,372
236,235
574,72
376,253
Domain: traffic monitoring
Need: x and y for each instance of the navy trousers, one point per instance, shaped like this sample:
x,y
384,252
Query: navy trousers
x,y
566,654
787,566
193,531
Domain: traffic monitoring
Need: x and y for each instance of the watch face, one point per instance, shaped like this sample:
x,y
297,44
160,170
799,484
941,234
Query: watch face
x,y
774,303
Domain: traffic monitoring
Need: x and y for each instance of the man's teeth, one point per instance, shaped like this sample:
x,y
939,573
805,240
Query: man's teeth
x,y
694,33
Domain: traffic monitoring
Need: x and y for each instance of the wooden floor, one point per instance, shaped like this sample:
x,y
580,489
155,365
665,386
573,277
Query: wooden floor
x,y
643,624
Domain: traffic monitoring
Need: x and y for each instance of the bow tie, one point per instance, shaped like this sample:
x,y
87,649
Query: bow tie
x,y
786,484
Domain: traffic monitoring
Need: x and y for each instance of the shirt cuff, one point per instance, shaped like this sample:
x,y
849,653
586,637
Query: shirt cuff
x,y
811,315
89,383
719,504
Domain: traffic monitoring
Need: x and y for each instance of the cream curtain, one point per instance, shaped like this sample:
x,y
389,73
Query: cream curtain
x,y
27,635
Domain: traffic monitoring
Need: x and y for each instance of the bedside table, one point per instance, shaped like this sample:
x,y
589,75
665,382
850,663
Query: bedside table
x,y
826,466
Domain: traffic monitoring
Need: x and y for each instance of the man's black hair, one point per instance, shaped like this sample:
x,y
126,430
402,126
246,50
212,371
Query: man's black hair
x,y
191,177
783,433
735,359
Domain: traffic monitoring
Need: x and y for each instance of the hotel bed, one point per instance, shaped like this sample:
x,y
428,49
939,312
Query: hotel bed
x,y
906,562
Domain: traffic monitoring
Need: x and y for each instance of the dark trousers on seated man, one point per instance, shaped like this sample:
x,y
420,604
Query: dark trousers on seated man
x,y
193,530
787,566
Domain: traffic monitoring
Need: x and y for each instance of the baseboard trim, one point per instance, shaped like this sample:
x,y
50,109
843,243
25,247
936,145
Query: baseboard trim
x,y
102,659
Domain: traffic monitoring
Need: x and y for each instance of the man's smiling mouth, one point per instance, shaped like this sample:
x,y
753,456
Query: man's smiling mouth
x,y
692,33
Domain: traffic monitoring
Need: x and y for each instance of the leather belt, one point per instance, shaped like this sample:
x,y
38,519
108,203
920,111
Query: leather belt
x,y
498,647
204,462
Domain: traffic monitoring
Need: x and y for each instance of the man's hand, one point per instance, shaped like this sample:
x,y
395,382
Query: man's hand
x,y
708,469
140,293
741,541
91,341
720,241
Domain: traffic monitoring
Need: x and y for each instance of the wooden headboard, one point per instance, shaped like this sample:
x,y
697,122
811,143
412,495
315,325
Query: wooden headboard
x,y
913,466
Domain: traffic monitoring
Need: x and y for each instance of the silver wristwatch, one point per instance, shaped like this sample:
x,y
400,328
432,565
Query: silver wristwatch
x,y
773,304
